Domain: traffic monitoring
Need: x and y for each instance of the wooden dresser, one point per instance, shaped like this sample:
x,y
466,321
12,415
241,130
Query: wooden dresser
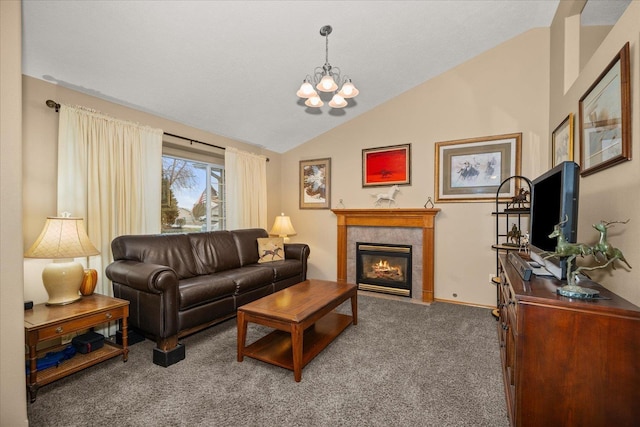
x,y
567,362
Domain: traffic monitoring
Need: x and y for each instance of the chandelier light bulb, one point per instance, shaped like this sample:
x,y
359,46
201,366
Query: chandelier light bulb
x,y
348,90
314,101
337,101
327,84
306,90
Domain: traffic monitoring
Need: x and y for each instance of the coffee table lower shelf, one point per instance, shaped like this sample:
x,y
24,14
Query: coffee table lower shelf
x,y
275,348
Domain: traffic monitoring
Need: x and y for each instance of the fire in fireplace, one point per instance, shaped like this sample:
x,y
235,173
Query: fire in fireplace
x,y
384,268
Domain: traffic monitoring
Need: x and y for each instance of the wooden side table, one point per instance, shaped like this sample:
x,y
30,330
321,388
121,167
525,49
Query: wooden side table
x,y
46,322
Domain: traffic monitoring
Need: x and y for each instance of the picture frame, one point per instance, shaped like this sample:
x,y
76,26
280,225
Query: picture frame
x,y
605,117
562,142
389,165
471,170
315,184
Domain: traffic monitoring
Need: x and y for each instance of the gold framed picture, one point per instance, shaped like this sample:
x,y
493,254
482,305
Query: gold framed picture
x,y
605,117
562,142
315,184
471,170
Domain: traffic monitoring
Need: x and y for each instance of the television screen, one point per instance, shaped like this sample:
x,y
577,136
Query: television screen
x,y
554,200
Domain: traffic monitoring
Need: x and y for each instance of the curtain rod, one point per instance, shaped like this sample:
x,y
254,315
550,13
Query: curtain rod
x,y
54,104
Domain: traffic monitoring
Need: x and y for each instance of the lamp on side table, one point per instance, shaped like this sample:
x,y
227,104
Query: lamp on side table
x,y
62,239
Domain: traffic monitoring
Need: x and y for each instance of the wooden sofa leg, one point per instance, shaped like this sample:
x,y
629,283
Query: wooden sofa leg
x,y
168,352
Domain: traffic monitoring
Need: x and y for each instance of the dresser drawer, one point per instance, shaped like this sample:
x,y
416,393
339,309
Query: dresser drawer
x,y
81,323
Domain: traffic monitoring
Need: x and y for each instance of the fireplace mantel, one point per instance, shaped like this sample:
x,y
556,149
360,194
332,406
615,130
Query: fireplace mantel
x,y
416,218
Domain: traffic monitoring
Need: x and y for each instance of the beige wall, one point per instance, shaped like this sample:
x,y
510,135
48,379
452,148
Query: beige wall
x,y
611,194
501,91
40,134
13,408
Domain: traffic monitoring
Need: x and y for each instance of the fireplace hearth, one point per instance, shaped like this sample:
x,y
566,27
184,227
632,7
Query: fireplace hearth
x,y
384,268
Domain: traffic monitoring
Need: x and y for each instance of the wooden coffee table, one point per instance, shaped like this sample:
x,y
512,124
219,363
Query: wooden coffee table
x,y
304,320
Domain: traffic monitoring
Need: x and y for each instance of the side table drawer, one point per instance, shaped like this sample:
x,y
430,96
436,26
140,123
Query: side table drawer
x,y
86,322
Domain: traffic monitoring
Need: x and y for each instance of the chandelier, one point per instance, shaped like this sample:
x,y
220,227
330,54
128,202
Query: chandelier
x,y
327,79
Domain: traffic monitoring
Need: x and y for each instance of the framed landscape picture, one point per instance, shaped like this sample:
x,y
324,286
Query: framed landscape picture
x,y
471,170
605,117
562,142
315,184
386,166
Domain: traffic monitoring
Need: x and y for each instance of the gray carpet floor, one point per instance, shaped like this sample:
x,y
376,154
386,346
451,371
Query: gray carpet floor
x,y
404,364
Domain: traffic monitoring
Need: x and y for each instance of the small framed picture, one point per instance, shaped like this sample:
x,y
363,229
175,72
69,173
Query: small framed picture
x,y
386,165
315,184
562,142
605,117
471,170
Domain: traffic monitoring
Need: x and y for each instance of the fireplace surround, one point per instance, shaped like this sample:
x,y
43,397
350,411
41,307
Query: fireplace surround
x,y
418,219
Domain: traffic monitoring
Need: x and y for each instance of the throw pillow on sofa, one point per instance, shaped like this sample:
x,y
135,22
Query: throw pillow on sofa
x,y
270,249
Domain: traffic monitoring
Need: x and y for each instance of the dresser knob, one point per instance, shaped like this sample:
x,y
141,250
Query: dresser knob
x,y
59,329
109,315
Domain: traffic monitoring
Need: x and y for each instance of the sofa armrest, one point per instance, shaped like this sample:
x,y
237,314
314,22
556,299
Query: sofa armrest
x,y
142,276
298,251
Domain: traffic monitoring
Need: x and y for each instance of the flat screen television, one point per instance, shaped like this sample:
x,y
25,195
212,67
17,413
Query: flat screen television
x,y
554,200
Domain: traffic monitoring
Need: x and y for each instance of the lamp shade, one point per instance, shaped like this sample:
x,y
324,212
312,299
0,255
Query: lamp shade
x,y
327,84
62,237
314,101
348,90
337,101
282,226
306,90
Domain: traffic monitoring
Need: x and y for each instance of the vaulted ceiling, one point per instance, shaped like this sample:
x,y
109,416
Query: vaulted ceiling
x,y
233,67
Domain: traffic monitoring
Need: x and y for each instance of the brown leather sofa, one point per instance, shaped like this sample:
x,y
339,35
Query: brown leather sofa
x,y
178,284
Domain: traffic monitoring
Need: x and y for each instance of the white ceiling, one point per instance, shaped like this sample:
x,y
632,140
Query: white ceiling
x,y
232,67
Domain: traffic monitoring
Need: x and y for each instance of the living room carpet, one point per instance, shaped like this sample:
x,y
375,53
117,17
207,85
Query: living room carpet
x,y
404,364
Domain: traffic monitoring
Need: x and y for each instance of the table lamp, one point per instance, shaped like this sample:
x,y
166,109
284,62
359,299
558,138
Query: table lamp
x,y
282,227
62,239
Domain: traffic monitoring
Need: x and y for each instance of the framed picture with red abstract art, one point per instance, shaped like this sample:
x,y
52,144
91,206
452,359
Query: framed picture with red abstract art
x,y
386,165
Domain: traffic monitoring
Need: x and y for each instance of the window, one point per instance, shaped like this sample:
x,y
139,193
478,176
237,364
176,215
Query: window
x,y
192,195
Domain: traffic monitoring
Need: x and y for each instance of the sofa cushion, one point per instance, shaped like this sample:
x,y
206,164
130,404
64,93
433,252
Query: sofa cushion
x,y
270,249
282,269
247,244
203,289
214,251
172,250
247,279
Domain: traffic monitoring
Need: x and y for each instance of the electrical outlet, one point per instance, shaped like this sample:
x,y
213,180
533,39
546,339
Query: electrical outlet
x,y
66,339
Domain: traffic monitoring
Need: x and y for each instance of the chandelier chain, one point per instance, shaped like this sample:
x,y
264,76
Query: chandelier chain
x,y
326,50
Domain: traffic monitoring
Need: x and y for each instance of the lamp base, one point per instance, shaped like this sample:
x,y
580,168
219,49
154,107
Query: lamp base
x,y
62,280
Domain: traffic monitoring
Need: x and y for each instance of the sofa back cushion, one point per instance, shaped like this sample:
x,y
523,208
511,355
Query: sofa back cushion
x,y
214,251
172,250
247,244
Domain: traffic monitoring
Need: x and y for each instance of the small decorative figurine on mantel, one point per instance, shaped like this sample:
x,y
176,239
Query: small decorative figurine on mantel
x,y
388,197
601,251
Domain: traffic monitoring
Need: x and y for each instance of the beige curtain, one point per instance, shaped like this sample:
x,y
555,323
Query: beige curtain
x,y
109,173
246,189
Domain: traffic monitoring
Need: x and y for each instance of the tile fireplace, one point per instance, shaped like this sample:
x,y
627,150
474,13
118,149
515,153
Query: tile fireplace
x,y
422,221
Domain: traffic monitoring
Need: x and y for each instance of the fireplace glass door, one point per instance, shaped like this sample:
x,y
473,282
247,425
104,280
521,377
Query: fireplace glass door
x,y
384,268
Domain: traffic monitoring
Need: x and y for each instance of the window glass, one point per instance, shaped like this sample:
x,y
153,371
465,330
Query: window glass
x,y
192,195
